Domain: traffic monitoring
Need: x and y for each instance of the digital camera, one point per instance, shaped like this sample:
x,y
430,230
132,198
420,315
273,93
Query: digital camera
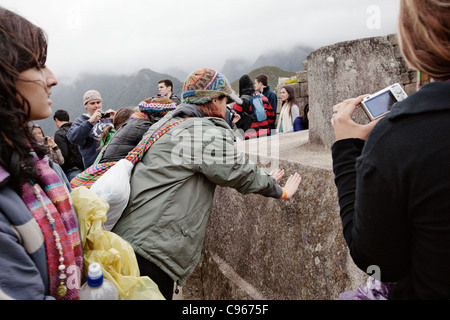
x,y
380,103
105,115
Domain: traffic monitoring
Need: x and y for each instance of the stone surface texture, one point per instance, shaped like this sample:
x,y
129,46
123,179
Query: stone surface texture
x,y
263,248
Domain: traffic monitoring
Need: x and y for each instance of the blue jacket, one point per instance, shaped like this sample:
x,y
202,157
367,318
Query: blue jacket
x,y
87,136
23,259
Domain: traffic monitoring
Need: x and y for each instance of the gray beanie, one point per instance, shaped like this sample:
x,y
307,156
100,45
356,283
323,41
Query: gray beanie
x,y
91,95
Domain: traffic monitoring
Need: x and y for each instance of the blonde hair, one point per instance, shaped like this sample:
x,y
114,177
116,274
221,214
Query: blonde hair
x,y
424,34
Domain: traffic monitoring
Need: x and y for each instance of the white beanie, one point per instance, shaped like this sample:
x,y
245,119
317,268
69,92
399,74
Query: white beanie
x,y
91,95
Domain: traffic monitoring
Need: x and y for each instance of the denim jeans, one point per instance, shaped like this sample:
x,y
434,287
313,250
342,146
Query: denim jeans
x,y
71,173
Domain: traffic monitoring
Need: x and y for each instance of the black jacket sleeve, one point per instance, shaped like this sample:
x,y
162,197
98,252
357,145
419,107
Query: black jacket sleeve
x,y
125,139
344,153
61,141
373,224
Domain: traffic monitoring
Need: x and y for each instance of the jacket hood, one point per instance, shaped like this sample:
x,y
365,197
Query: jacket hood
x,y
246,85
188,110
191,110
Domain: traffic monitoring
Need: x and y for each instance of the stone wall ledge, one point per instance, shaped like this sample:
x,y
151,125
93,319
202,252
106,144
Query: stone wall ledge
x,y
264,248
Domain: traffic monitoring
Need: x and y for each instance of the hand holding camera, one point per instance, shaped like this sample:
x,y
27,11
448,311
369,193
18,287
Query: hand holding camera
x,y
96,116
99,115
50,142
343,124
375,106
380,103
109,114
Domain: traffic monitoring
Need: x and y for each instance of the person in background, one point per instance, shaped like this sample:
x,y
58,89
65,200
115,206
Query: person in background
x,y
257,128
262,85
73,162
40,256
231,117
87,129
121,117
289,110
165,88
54,152
305,118
392,174
172,186
302,122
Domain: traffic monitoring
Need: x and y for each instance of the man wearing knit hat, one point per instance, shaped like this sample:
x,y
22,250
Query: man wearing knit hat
x,y
172,186
86,130
204,85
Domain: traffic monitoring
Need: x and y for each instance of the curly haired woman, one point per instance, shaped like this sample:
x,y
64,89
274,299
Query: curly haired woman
x,y
40,256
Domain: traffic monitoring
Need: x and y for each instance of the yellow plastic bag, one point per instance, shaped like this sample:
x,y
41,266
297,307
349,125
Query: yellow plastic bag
x,y
114,254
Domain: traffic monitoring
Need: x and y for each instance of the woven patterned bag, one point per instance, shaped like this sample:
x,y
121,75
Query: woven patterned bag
x,y
89,176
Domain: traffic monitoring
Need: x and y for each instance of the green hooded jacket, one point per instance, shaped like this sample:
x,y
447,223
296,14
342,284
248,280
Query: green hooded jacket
x,y
172,189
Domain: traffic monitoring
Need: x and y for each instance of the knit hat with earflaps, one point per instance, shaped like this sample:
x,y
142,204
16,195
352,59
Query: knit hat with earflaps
x,y
203,85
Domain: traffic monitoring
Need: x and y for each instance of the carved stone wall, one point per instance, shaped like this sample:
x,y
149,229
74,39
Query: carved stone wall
x,y
264,248
349,69
261,248
346,70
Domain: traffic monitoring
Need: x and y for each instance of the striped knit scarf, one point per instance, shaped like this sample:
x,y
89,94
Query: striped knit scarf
x,y
57,201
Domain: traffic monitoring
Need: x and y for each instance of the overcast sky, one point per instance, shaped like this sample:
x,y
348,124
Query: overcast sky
x,y
124,36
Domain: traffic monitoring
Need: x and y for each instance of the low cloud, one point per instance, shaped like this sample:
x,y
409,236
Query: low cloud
x,y
122,37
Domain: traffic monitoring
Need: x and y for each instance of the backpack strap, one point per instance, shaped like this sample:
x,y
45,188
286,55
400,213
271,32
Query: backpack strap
x,y
138,152
247,104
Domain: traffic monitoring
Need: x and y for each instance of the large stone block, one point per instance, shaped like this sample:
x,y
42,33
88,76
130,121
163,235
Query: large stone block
x,y
303,89
346,70
302,76
264,248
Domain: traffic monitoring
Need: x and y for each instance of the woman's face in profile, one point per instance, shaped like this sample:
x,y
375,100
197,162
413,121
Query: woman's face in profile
x,y
35,85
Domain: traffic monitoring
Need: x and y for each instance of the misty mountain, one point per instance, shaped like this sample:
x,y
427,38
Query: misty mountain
x,y
128,90
178,73
287,60
117,91
290,60
235,68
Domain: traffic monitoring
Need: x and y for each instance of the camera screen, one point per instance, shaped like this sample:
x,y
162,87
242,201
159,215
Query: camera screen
x,y
381,104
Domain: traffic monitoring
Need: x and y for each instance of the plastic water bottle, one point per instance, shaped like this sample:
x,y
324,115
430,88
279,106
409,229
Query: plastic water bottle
x,y
97,288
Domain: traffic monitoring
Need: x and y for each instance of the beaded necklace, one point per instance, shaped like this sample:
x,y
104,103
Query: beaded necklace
x,y
62,289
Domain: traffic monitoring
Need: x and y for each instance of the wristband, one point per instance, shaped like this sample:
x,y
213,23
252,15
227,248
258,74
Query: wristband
x,y
284,197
